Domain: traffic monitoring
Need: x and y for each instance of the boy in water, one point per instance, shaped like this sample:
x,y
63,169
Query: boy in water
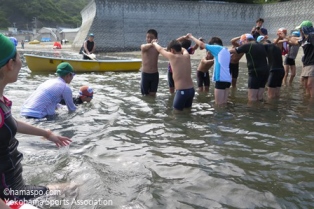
x,y
234,62
150,75
289,62
186,44
180,62
85,95
202,72
221,74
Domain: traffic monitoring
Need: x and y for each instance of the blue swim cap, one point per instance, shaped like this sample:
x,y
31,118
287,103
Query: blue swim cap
x,y
296,33
260,38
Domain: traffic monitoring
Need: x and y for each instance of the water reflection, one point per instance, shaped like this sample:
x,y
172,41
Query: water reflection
x,y
134,151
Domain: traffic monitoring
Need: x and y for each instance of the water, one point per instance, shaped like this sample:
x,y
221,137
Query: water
x,y
131,151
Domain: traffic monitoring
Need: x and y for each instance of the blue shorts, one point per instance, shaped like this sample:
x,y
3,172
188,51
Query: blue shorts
x,y
149,83
183,98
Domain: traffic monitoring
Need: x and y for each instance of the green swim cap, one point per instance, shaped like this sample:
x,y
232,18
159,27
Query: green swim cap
x,y
64,68
7,50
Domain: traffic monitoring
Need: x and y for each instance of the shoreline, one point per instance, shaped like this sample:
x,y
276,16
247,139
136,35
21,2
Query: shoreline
x,y
197,56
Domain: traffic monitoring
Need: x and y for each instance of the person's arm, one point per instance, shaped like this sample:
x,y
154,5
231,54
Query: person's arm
x,y
94,48
3,205
253,30
181,38
293,40
205,61
160,49
68,98
145,47
25,128
85,48
235,40
276,41
197,41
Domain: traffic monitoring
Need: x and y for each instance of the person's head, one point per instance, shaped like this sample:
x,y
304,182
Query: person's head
x,y
282,32
306,27
215,41
151,34
91,37
86,93
295,34
245,38
209,56
10,62
174,46
262,40
259,22
65,71
186,43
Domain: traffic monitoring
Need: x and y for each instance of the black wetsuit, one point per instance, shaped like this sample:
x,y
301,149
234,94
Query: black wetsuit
x,y
90,46
276,69
10,159
256,57
76,101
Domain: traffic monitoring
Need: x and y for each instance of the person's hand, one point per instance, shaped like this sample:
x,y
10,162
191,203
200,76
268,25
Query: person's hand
x,y
60,141
154,41
189,35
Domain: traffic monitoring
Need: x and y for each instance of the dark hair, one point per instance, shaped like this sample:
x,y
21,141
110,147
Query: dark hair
x,y
215,41
260,20
174,44
186,43
154,32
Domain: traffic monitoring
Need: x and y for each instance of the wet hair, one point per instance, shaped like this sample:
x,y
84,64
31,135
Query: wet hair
x,y
186,43
260,20
154,32
175,45
215,41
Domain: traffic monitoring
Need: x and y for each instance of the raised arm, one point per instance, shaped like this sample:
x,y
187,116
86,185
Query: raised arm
x,y
181,38
160,49
293,40
234,41
197,41
145,47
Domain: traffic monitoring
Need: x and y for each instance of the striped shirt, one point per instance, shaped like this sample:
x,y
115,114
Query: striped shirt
x,y
221,64
44,100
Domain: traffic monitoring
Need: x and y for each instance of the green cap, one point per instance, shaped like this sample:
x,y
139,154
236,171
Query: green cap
x,y
305,23
64,68
7,50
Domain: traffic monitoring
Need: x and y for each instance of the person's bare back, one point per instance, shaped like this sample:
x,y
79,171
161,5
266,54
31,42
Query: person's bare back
x,y
181,69
206,63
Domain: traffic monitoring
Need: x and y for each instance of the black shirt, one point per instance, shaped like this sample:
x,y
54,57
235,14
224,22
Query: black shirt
x,y
256,57
308,48
274,56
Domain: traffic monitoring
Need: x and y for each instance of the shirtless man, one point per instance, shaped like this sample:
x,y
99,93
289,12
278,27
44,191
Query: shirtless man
x,y
180,62
234,62
202,72
150,75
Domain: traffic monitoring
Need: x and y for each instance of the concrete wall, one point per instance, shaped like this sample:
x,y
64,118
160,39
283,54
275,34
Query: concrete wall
x,y
121,25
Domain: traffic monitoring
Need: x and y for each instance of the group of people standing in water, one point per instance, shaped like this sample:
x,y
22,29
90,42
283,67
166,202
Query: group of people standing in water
x,y
269,64
264,61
